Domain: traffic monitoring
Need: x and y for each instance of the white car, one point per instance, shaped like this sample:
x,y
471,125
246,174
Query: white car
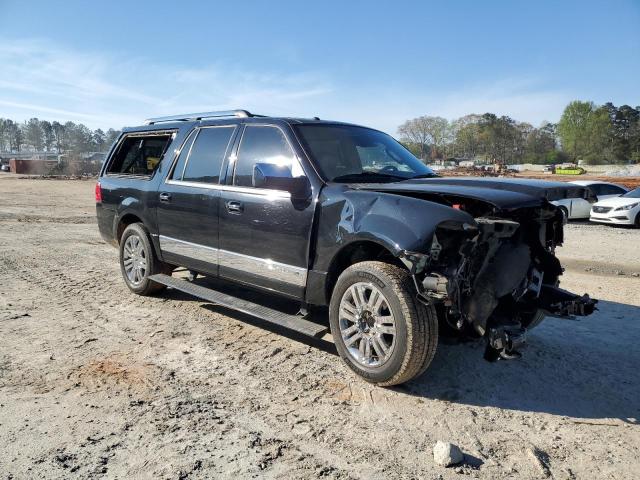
x,y
623,210
574,208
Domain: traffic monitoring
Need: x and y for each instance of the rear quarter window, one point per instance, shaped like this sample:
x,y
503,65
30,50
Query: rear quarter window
x,y
139,154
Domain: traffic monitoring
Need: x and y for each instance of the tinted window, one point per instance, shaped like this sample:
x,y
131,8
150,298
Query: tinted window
x,y
347,153
139,155
182,159
207,153
595,188
263,145
611,190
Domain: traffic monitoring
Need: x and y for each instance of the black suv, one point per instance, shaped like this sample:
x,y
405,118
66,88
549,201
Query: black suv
x,y
338,215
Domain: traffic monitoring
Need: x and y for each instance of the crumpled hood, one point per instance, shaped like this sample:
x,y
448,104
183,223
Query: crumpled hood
x,y
500,192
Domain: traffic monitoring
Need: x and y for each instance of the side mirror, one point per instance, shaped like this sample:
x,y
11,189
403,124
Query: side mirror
x,y
279,177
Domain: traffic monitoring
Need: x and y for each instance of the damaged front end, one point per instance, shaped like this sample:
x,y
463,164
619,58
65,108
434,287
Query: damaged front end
x,y
497,277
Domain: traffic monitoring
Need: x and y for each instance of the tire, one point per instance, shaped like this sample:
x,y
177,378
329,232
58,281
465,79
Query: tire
x,y
533,319
411,346
136,247
565,212
637,222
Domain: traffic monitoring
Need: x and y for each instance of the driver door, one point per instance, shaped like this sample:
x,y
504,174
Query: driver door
x,y
264,233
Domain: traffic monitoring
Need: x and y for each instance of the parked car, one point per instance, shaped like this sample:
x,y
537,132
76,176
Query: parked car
x,y
5,167
580,208
622,210
335,215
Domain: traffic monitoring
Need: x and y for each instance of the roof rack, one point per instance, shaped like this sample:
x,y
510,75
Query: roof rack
x,y
186,117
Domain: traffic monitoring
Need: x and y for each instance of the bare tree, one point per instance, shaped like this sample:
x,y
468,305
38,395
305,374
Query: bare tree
x,y
425,131
412,131
438,129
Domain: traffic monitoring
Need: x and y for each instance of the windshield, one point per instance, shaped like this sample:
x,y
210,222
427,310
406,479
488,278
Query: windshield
x,y
345,153
633,193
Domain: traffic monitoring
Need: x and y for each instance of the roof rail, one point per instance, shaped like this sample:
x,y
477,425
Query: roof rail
x,y
186,117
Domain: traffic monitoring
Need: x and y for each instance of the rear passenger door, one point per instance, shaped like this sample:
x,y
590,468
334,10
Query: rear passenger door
x,y
264,233
187,212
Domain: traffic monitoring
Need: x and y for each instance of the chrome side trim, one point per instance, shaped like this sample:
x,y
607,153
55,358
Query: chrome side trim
x,y
261,267
264,267
232,188
188,249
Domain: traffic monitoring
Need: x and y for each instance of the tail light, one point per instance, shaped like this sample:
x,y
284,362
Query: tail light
x,y
98,193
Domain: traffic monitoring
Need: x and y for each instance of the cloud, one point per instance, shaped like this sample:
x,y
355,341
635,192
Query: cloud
x,y
524,99
42,79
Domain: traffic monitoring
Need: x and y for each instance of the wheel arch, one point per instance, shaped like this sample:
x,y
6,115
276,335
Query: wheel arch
x,y
355,252
122,222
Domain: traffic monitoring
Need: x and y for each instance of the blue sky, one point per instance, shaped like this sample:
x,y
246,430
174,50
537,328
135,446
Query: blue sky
x,y
109,64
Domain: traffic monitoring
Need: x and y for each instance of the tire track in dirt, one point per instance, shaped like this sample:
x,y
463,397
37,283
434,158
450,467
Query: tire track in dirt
x,y
65,292
163,386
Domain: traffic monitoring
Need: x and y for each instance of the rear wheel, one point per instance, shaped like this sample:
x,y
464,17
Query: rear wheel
x,y
138,261
380,329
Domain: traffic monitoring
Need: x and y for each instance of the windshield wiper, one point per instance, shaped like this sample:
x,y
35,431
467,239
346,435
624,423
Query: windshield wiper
x,y
368,175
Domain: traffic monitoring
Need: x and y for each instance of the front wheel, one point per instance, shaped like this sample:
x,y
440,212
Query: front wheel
x,y
138,261
380,329
531,320
565,213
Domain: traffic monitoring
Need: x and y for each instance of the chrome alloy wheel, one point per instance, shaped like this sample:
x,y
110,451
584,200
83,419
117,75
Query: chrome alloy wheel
x,y
367,324
134,260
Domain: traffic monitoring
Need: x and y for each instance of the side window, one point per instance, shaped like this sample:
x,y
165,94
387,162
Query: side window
x,y
263,144
611,190
139,155
207,154
178,169
596,188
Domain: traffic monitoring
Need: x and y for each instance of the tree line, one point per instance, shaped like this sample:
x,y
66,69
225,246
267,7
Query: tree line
x,y
586,132
53,137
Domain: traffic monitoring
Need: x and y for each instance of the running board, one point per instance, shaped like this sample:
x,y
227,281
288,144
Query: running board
x,y
292,322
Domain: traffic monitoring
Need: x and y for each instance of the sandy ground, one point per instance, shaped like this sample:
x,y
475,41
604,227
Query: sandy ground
x,y
96,382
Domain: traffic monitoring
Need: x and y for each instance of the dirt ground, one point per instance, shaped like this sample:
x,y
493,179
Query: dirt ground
x,y
97,382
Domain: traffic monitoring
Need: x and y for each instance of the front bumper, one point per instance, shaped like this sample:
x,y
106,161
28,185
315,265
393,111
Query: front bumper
x,y
614,217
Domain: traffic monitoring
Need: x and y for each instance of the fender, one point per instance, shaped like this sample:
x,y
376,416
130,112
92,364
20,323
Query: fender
x,y
398,223
133,206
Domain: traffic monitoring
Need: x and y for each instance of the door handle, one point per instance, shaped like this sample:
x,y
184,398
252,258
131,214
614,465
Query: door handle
x,y
165,197
234,207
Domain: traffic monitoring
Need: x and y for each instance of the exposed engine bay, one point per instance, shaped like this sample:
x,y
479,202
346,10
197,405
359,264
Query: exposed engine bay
x,y
497,277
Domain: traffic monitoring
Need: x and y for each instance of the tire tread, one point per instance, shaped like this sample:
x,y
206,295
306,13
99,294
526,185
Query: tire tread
x,y
421,321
